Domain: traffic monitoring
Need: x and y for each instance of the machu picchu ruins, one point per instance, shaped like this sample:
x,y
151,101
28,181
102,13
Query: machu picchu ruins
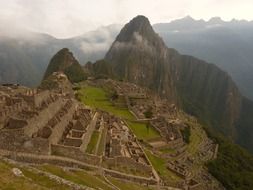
x,y
51,125
89,102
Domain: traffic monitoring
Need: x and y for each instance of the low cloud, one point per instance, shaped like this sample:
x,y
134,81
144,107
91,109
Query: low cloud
x,y
68,18
99,40
138,41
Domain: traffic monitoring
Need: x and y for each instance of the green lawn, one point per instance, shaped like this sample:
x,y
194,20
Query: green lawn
x,y
101,147
195,138
160,166
98,98
142,132
31,181
168,150
127,185
93,142
43,180
79,177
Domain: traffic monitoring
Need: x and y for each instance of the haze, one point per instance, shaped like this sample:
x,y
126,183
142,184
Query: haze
x,y
67,18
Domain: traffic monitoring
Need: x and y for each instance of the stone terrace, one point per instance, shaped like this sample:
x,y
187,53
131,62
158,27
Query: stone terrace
x,y
122,148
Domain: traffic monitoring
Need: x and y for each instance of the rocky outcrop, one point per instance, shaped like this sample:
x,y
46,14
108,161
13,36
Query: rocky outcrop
x,y
65,62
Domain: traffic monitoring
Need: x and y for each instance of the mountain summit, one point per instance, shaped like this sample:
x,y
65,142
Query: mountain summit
x,y
140,56
137,28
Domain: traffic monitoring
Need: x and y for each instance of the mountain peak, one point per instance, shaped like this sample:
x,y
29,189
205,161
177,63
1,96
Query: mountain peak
x,y
64,61
140,19
215,20
139,25
188,18
60,61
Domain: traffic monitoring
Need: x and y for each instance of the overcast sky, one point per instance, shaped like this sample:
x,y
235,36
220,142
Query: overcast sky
x,y
66,18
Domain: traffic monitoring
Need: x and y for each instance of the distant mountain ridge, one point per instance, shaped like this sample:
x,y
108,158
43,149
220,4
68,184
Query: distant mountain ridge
x,y
24,58
140,56
229,45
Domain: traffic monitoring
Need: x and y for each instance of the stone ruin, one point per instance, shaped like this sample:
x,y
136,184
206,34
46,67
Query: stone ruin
x,y
48,122
52,123
169,131
139,100
122,147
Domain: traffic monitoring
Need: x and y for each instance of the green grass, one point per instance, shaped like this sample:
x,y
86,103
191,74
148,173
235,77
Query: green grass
x,y
102,142
99,98
142,132
127,185
44,180
93,142
234,165
129,170
195,138
31,181
160,166
79,177
168,150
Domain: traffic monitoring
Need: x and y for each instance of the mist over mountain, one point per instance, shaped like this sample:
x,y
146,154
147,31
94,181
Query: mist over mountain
x,y
140,56
229,45
23,59
25,55
194,104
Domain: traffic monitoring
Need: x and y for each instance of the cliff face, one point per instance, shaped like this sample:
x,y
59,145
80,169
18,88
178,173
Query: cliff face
x,y
140,56
64,61
209,93
244,125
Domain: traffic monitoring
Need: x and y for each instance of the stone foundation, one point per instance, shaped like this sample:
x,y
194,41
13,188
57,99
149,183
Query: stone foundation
x,y
75,153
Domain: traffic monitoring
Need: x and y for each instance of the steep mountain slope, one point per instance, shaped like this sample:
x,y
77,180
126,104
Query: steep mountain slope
x,y
65,62
227,44
23,59
139,55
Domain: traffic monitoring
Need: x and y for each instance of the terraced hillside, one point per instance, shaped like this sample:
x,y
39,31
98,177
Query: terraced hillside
x,y
165,156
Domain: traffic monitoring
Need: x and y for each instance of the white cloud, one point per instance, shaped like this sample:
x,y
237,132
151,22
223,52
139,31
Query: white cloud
x,y
100,40
138,42
65,18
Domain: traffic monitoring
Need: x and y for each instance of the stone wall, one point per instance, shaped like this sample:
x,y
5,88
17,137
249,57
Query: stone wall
x,y
127,162
176,143
41,159
75,153
16,140
88,134
41,120
8,110
40,97
198,186
132,178
66,162
14,123
58,130
35,99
